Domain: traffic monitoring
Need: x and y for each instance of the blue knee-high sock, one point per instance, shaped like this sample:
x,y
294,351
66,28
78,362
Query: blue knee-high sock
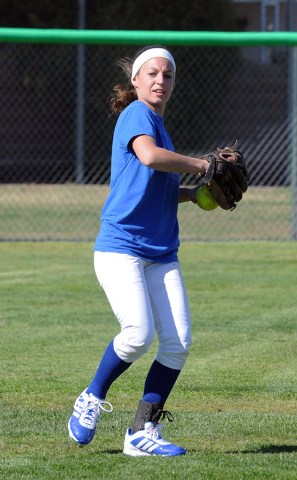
x,y
110,368
159,383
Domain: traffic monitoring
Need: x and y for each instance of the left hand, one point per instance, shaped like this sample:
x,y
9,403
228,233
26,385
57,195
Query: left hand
x,y
193,192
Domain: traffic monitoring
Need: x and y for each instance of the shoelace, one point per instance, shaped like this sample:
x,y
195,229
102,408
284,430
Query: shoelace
x,y
93,408
158,427
161,415
102,402
156,431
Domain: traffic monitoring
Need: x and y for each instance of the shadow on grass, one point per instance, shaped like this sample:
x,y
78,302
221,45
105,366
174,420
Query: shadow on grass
x,y
111,451
270,449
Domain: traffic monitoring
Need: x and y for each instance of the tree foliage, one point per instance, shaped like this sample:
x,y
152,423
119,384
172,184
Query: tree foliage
x,y
121,14
38,14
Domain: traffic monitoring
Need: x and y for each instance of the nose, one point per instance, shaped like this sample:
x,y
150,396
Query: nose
x,y
160,78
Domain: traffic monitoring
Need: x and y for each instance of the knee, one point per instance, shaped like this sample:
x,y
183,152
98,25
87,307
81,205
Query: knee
x,y
131,344
174,352
175,360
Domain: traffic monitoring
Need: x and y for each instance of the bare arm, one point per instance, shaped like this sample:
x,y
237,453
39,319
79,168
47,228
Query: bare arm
x,y
164,160
188,194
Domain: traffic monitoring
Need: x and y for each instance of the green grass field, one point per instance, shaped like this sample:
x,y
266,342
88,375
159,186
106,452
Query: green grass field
x,y
234,404
72,212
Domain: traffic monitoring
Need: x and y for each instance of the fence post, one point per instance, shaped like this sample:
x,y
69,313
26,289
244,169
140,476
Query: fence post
x,y
293,142
292,114
79,173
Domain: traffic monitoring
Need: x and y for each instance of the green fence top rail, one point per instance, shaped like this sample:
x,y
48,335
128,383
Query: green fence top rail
x,y
143,37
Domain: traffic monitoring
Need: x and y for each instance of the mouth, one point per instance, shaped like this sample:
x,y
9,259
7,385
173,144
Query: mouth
x,y
159,93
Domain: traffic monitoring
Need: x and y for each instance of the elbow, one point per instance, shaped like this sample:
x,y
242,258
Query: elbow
x,y
148,159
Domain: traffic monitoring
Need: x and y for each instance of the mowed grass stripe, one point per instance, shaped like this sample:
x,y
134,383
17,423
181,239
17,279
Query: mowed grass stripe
x,y
234,403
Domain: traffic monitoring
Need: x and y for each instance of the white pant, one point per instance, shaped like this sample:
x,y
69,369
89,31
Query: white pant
x,y
146,296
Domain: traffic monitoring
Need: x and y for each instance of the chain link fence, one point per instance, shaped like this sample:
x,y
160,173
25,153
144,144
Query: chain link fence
x,y
56,133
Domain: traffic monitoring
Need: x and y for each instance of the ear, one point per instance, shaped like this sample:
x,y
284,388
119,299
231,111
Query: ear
x,y
134,81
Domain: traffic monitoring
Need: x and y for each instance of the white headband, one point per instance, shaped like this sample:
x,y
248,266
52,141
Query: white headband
x,y
147,55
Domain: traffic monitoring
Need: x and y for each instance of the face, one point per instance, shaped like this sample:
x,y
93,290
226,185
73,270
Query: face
x,y
154,83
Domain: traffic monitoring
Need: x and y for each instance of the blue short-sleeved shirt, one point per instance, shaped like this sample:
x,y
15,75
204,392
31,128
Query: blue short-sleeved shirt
x,y
140,214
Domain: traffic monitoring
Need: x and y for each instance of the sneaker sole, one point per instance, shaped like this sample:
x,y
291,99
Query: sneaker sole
x,y
135,452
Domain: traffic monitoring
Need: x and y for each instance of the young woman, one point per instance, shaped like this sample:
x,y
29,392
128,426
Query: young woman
x,y
135,255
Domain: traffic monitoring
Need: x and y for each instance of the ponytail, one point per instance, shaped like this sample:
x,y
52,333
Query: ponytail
x,y
123,94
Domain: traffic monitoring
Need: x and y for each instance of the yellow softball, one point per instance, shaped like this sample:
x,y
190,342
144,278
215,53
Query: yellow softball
x,y
205,199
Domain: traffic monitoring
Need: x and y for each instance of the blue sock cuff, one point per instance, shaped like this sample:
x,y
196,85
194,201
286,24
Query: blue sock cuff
x,y
159,383
110,368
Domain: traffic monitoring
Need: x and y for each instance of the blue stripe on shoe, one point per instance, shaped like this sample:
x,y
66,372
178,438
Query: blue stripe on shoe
x,y
151,447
